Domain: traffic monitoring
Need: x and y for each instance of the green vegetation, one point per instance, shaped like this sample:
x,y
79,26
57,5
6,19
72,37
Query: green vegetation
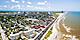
x,y
48,34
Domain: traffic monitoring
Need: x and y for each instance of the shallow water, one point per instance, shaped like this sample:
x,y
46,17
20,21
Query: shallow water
x,y
72,19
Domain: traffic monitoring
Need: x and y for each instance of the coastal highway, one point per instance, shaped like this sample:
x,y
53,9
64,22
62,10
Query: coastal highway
x,y
44,31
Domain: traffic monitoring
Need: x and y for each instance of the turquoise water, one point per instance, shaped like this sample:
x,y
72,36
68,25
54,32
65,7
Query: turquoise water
x,y
72,19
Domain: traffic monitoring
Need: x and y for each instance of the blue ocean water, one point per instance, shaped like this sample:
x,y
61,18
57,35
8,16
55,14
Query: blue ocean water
x,y
72,19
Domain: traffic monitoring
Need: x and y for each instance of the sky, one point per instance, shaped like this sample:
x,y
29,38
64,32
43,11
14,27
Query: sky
x,y
39,5
67,5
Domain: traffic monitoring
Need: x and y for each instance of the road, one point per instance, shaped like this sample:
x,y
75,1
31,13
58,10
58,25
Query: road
x,y
44,31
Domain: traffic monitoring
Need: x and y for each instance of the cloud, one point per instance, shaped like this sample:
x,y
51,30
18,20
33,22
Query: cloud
x,y
5,6
23,1
29,6
14,1
29,2
42,3
7,1
45,1
15,7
